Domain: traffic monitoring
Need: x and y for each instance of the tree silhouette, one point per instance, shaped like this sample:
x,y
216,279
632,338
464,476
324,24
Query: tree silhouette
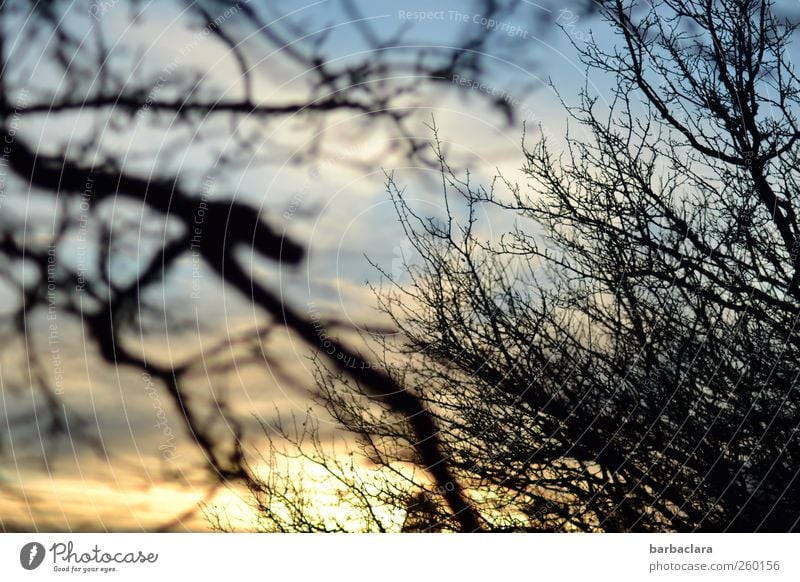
x,y
68,77
625,358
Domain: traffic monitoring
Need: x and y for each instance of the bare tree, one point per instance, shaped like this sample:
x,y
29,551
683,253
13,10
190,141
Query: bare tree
x,y
62,68
626,358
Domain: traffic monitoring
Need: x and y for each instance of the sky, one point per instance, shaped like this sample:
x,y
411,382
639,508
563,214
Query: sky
x,y
336,205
